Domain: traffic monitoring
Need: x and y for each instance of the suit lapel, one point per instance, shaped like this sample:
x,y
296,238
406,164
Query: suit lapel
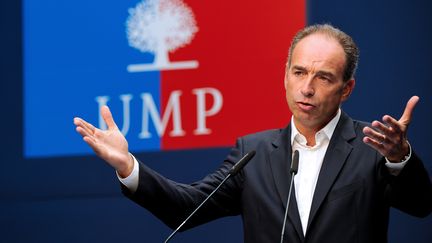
x,y
280,163
334,160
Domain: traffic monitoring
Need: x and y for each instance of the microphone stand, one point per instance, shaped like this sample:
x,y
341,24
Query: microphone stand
x,y
293,170
233,171
196,209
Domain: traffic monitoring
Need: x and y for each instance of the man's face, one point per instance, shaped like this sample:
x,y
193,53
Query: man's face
x,y
313,82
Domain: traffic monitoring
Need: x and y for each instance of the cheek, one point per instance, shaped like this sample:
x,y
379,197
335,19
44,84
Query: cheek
x,y
289,94
289,97
332,100
290,87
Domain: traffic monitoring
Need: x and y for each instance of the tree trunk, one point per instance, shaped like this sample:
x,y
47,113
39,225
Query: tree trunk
x,y
161,55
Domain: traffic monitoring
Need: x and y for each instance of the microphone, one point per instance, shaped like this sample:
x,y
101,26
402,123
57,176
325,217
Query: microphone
x,y
232,172
295,162
293,171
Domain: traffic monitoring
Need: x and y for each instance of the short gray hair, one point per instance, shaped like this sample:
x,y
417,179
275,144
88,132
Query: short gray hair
x,y
347,43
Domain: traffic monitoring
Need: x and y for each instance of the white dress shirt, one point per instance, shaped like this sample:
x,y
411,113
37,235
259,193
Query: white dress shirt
x,y
310,161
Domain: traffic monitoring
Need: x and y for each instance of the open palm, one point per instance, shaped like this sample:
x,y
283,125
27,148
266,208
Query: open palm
x,y
110,145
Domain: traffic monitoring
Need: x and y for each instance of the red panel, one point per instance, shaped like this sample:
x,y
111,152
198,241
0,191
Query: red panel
x,y
241,47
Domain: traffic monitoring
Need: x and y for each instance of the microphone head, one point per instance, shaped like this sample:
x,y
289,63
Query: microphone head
x,y
241,163
295,162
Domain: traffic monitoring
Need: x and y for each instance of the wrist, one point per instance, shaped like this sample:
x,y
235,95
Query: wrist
x,y
126,170
405,156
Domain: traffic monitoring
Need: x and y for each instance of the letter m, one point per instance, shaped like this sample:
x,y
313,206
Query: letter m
x,y
150,112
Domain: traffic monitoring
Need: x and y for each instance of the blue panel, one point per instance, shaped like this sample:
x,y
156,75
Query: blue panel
x,y
74,52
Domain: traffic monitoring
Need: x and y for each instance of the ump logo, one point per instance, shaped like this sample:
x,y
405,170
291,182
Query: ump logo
x,y
159,27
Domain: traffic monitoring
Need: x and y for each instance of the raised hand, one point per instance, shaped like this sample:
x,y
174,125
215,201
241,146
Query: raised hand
x,y
110,145
390,137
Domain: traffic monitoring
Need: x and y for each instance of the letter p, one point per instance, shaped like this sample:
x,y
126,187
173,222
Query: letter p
x,y
202,113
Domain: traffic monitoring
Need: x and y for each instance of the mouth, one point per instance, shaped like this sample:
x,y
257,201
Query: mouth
x,y
305,106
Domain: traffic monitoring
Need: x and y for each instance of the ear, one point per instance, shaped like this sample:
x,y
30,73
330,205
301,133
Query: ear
x,y
347,89
286,79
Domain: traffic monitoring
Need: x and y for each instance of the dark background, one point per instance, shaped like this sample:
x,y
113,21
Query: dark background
x,y
77,199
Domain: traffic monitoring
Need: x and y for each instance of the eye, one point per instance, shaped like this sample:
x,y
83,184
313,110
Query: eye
x,y
325,78
298,73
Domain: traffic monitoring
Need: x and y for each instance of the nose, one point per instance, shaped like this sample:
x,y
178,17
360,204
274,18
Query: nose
x,y
307,88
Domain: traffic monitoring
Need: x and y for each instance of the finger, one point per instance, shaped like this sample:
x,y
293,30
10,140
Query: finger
x,y
89,127
88,138
389,133
80,128
395,130
82,132
76,121
107,116
406,116
92,143
374,144
394,125
381,127
85,125
374,135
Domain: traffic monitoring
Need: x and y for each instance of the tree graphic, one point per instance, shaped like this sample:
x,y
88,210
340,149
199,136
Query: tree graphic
x,y
160,27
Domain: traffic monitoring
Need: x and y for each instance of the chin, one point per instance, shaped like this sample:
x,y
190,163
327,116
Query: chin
x,y
308,120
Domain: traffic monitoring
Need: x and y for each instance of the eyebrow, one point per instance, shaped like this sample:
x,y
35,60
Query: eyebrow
x,y
325,73
319,73
299,68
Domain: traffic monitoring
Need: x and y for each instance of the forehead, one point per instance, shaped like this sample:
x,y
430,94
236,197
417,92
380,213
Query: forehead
x,y
319,51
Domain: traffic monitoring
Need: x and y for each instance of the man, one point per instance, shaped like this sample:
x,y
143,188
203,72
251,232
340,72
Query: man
x,y
350,173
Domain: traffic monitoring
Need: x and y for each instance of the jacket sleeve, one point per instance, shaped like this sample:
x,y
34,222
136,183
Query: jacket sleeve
x,y
411,190
172,202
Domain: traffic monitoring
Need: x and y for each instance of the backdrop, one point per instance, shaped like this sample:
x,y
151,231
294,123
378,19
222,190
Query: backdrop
x,y
60,59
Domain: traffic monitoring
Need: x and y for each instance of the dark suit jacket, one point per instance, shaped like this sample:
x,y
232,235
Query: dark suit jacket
x,y
351,202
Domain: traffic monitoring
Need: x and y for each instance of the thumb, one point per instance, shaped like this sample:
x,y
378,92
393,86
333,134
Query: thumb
x,y
406,116
107,116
